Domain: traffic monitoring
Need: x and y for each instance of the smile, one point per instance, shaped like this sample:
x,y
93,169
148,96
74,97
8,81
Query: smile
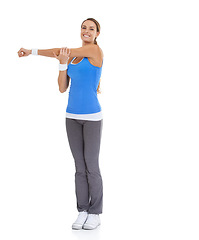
x,y
86,36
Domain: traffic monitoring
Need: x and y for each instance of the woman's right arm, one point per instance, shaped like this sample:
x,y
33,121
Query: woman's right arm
x,y
42,52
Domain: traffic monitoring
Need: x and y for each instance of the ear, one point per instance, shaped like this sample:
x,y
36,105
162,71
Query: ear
x,y
97,34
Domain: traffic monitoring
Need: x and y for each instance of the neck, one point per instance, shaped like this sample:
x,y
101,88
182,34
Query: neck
x,y
86,43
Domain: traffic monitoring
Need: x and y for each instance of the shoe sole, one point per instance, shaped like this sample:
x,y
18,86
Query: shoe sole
x,y
88,227
76,227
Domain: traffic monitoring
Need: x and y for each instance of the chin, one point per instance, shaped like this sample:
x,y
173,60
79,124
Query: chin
x,y
86,41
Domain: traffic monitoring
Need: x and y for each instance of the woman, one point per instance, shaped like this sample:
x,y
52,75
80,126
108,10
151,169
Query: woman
x,y
83,117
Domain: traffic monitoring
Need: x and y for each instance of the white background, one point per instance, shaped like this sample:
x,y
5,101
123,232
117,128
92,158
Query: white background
x,y
149,152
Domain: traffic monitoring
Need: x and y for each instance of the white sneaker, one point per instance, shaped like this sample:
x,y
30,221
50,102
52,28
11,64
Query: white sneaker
x,y
81,219
92,222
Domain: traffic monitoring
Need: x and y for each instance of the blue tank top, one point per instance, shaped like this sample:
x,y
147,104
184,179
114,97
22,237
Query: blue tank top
x,y
85,79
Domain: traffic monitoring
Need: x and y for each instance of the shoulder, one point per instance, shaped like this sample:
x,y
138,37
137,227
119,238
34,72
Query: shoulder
x,y
101,52
98,51
93,47
98,58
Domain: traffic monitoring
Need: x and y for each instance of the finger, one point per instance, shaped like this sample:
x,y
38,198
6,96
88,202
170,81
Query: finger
x,y
64,51
20,53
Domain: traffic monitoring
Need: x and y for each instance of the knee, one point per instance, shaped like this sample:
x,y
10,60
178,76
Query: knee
x,y
80,173
94,173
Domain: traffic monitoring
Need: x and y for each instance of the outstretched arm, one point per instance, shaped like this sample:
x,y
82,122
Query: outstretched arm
x,y
49,52
91,50
43,52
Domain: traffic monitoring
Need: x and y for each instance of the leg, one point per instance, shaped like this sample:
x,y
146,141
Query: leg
x,y
75,137
92,138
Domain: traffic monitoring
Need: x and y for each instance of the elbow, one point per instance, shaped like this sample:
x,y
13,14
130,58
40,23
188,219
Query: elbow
x,y
62,90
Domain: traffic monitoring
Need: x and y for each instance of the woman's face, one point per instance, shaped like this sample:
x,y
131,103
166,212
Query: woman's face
x,y
89,31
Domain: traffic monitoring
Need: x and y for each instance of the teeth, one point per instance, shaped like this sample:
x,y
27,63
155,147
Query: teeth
x,y
85,35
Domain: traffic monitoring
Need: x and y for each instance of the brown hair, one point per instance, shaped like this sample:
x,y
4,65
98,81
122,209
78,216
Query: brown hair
x,y
95,41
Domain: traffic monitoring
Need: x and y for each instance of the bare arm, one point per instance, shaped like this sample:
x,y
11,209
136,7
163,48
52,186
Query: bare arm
x,y
48,52
63,81
42,52
91,50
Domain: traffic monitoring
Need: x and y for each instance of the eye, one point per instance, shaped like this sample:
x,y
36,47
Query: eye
x,y
92,29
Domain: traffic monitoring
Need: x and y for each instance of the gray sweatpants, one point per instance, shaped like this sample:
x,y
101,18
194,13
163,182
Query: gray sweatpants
x,y
84,140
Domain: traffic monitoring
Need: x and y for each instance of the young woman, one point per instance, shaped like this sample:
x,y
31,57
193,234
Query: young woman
x,y
83,117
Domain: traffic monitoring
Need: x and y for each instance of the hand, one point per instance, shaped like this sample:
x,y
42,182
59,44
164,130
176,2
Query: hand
x,y
63,55
24,52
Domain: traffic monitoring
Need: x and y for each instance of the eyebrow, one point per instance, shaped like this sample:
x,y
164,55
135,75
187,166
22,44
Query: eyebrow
x,y
86,26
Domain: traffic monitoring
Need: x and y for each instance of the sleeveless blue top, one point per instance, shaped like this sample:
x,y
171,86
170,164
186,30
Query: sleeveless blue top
x,y
85,79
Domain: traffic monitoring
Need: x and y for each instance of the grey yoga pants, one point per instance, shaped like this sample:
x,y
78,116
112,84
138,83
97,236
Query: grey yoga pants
x,y
84,140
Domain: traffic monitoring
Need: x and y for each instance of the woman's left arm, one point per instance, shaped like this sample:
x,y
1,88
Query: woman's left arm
x,y
91,50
